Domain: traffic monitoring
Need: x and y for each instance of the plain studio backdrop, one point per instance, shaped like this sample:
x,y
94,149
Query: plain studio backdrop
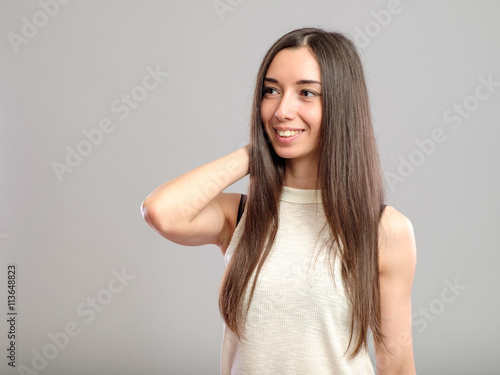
x,y
103,101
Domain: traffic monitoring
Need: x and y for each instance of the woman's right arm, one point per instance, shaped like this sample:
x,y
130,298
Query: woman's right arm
x,y
192,210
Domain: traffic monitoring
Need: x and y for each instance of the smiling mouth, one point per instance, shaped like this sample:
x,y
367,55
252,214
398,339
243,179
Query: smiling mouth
x,y
288,133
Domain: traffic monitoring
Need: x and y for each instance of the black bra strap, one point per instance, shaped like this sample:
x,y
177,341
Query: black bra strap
x,y
241,208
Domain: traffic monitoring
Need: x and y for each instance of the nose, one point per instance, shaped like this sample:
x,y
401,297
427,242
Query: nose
x,y
286,108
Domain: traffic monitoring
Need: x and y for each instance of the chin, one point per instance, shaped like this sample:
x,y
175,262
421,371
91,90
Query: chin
x,y
285,153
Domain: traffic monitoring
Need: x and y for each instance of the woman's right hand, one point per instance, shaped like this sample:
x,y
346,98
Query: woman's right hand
x,y
192,210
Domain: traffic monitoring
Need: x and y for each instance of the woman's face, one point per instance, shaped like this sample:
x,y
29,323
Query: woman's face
x,y
291,107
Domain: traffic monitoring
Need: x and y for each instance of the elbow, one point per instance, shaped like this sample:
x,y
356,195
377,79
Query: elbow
x,y
392,364
161,219
151,214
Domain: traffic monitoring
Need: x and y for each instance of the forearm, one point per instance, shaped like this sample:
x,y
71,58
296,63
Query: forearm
x,y
399,361
183,198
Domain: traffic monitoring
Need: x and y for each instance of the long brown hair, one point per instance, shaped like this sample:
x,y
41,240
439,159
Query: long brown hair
x,y
349,175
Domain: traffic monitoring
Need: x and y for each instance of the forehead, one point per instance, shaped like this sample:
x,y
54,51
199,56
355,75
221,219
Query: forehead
x,y
294,64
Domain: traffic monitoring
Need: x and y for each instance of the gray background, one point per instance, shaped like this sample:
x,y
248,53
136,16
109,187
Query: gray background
x,y
67,237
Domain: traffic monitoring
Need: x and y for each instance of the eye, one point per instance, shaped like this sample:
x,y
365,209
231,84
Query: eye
x,y
309,93
268,90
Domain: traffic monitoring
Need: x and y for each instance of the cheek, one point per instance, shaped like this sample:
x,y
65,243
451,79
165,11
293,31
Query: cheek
x,y
315,118
266,112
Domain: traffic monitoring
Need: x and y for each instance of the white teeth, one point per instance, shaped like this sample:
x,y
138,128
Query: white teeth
x,y
288,133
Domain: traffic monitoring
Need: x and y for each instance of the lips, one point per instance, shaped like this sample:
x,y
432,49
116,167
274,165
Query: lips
x,y
287,135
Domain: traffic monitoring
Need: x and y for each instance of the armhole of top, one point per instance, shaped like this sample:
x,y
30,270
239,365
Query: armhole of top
x,y
241,207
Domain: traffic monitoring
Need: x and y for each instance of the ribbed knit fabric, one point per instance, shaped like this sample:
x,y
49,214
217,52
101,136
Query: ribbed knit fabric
x,y
299,319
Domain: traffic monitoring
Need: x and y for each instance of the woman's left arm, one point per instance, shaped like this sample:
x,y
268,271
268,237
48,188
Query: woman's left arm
x,y
397,262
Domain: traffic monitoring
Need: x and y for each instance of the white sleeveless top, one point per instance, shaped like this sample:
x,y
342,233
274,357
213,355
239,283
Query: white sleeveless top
x,y
299,319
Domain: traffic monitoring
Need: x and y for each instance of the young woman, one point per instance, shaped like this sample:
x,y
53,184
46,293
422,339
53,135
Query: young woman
x,y
315,259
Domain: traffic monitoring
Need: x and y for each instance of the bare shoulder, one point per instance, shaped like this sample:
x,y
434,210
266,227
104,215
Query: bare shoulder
x,y
229,204
397,247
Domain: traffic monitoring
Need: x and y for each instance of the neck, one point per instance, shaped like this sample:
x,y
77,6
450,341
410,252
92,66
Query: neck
x,y
301,174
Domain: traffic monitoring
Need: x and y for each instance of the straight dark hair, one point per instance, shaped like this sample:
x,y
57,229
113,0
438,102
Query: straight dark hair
x,y
349,176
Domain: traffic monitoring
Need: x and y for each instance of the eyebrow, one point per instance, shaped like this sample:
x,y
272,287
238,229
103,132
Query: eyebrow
x,y
299,82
